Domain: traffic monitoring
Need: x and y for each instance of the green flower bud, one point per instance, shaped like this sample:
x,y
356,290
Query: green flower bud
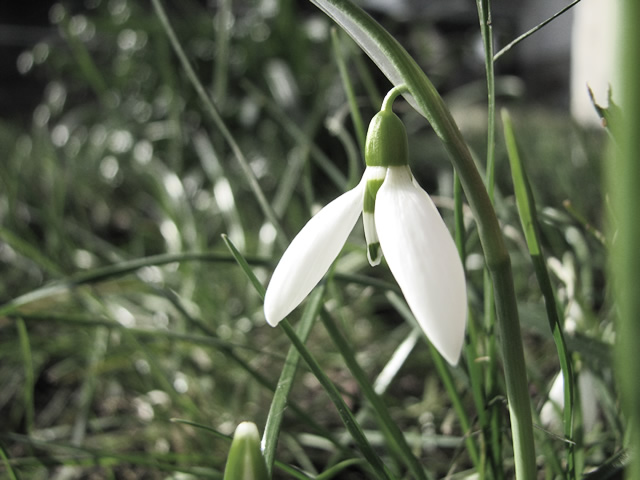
x,y
387,144
245,460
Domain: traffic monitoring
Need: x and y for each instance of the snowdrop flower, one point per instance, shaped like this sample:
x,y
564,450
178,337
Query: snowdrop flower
x,y
401,223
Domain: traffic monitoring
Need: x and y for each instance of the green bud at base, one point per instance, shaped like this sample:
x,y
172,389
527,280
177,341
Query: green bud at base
x,y
245,460
387,144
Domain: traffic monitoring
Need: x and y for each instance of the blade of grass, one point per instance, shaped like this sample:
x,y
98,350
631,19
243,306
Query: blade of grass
x,y
338,53
83,59
335,125
471,353
96,356
29,375
7,463
285,382
486,31
30,251
492,429
59,453
529,220
222,189
223,24
395,363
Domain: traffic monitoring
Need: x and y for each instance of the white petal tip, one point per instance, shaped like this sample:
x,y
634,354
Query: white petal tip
x,y
374,254
452,358
270,315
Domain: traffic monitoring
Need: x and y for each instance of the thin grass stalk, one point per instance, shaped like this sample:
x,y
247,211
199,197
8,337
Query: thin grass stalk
x,y
368,82
221,65
526,209
356,118
11,474
623,176
29,375
401,68
530,32
486,31
492,430
471,353
84,61
211,109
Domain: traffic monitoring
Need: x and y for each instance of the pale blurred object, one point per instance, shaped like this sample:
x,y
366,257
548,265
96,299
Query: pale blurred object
x,y
551,413
593,58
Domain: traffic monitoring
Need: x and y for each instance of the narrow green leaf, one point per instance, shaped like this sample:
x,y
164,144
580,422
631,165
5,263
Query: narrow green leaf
x,y
29,375
528,218
287,375
338,468
7,463
244,265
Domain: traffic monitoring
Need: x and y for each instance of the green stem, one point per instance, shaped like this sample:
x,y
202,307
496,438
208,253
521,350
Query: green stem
x,y
492,430
623,181
390,97
29,375
484,14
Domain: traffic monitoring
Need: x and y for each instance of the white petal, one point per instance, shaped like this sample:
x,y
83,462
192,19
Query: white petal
x,y
311,253
424,260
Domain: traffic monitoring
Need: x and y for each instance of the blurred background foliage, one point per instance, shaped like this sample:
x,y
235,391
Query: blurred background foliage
x,y
109,158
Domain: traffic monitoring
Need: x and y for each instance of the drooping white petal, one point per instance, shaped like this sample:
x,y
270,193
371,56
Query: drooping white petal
x,y
311,253
423,258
